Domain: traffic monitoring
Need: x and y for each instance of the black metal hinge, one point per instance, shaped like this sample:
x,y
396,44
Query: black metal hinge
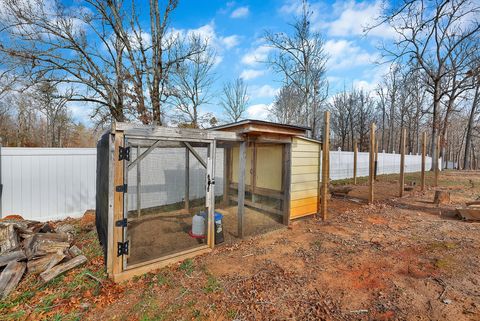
x,y
122,248
124,153
121,188
121,223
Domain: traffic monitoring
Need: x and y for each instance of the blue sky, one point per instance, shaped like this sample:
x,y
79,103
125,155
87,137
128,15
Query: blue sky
x,y
236,28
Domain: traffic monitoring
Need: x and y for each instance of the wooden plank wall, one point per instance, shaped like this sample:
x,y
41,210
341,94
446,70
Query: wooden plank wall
x,y
305,176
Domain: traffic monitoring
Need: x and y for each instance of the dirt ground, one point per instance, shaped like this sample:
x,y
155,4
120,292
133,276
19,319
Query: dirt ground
x,y
396,259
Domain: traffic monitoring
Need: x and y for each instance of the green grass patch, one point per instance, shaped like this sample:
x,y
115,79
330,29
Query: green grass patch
x,y
187,266
213,285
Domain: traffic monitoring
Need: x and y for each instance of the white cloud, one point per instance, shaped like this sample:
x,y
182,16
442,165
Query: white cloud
x,y
345,54
248,74
354,17
258,111
240,12
230,41
256,55
265,91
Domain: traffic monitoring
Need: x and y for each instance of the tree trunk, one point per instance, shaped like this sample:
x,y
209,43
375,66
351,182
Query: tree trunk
x,y
466,158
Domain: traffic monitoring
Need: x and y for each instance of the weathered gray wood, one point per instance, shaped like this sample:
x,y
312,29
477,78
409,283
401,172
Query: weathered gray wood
x,y
197,155
11,275
187,179
139,182
74,251
44,263
241,187
50,274
226,174
12,256
175,133
8,238
286,179
44,243
144,154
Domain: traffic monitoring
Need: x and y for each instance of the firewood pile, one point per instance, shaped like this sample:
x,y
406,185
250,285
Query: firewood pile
x,y
31,247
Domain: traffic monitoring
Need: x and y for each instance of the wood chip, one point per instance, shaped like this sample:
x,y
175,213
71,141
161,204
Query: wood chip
x,y
12,256
50,274
10,277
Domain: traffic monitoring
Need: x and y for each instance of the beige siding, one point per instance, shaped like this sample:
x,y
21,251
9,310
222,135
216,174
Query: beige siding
x,y
305,177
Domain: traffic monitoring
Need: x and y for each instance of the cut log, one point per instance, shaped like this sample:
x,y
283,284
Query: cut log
x,y
65,228
8,238
50,274
473,203
441,197
10,277
12,256
43,243
47,262
74,251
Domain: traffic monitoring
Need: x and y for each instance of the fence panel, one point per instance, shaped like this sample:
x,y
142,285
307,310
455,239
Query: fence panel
x,y
48,183
54,183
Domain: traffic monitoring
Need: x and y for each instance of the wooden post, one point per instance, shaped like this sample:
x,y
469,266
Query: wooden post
x,y
437,154
424,153
139,182
118,180
402,161
226,174
187,179
371,163
286,176
241,186
376,159
355,160
325,164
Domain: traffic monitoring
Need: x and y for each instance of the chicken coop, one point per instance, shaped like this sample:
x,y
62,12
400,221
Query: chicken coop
x,y
167,194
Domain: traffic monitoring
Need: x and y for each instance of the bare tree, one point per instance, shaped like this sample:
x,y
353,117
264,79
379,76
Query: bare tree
x,y
300,58
427,33
287,106
101,48
192,85
234,100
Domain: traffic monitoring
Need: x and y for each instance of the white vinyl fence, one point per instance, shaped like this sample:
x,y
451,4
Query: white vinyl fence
x,y
55,183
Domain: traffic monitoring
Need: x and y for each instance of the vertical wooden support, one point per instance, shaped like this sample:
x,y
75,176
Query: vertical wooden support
x,y
424,154
376,159
371,164
253,171
241,186
325,164
139,182
286,182
402,162
437,157
187,180
211,194
355,160
227,154
118,180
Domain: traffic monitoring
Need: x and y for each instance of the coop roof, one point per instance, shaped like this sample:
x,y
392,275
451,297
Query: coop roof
x,y
248,126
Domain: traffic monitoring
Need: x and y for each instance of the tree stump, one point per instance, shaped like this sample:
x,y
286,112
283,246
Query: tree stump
x,y
441,197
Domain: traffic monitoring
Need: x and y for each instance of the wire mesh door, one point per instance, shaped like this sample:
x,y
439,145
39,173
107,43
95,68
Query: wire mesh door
x,y
167,204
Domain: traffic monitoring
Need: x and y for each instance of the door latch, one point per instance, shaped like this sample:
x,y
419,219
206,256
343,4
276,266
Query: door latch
x,y
210,182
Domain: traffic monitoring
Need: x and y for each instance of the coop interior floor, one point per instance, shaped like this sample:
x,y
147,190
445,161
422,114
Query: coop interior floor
x,y
164,233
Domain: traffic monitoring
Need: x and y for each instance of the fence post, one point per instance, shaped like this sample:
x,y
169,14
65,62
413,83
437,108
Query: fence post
x,y
376,159
437,154
371,163
355,159
1,184
402,161
325,164
424,152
